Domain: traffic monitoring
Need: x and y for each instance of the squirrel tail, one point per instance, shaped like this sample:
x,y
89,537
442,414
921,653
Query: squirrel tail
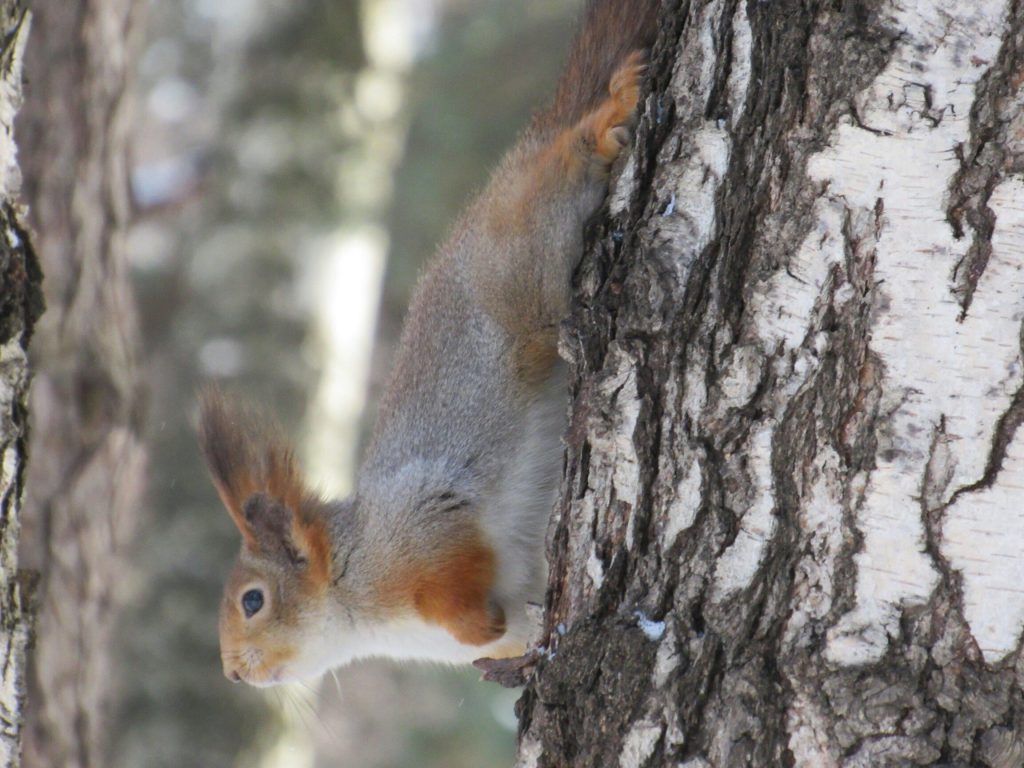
x,y
610,30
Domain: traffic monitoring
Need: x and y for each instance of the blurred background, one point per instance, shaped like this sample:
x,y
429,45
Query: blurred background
x,y
292,165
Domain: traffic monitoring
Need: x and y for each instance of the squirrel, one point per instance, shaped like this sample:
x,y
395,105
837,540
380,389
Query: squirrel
x,y
440,548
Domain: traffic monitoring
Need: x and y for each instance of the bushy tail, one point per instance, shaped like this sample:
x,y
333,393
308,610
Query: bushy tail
x,y
609,31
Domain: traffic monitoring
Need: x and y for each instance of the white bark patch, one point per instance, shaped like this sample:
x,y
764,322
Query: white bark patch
x,y
612,441
530,753
695,397
739,381
639,744
783,311
11,383
983,538
666,660
739,71
687,216
10,101
595,569
821,519
613,454
983,532
625,185
809,737
933,365
686,501
736,568
689,219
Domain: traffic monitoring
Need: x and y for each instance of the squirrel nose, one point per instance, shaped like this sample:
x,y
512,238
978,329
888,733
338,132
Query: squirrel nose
x,y
233,676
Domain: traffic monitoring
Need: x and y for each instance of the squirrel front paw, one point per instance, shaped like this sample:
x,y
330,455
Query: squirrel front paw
x,y
480,624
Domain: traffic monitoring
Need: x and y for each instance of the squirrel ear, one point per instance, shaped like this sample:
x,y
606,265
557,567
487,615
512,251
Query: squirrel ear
x,y
270,523
258,480
225,438
280,531
308,533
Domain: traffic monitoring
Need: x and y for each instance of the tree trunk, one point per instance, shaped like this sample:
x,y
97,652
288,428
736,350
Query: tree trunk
x,y
21,303
85,480
792,522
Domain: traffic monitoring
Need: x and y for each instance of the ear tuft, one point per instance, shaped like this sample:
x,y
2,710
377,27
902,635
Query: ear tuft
x,y
226,439
254,471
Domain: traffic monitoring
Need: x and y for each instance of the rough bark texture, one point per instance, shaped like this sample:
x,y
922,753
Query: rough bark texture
x,y
86,476
792,524
20,306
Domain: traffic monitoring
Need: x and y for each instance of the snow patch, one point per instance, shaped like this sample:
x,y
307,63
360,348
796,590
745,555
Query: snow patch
x,y
653,629
671,207
934,366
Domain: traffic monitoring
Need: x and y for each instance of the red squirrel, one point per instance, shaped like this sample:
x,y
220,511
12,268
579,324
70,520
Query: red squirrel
x,y
441,547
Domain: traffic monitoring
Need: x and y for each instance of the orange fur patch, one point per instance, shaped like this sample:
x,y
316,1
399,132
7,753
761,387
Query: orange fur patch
x,y
453,591
316,541
536,355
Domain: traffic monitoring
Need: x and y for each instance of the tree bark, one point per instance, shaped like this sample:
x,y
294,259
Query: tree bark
x,y
792,520
21,303
85,480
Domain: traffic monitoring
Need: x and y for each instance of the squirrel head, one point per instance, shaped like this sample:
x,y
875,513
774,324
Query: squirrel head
x,y
276,600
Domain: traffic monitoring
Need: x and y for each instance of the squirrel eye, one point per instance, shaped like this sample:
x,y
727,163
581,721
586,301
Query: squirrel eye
x,y
252,601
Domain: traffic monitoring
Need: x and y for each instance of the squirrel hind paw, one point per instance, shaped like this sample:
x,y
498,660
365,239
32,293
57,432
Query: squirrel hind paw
x,y
615,117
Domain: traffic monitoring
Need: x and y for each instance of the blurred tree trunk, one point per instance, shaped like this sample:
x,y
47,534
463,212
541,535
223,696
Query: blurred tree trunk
x,y
792,524
86,476
21,303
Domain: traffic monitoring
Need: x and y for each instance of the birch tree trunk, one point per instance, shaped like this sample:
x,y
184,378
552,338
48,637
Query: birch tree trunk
x,y
792,521
20,306
85,480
